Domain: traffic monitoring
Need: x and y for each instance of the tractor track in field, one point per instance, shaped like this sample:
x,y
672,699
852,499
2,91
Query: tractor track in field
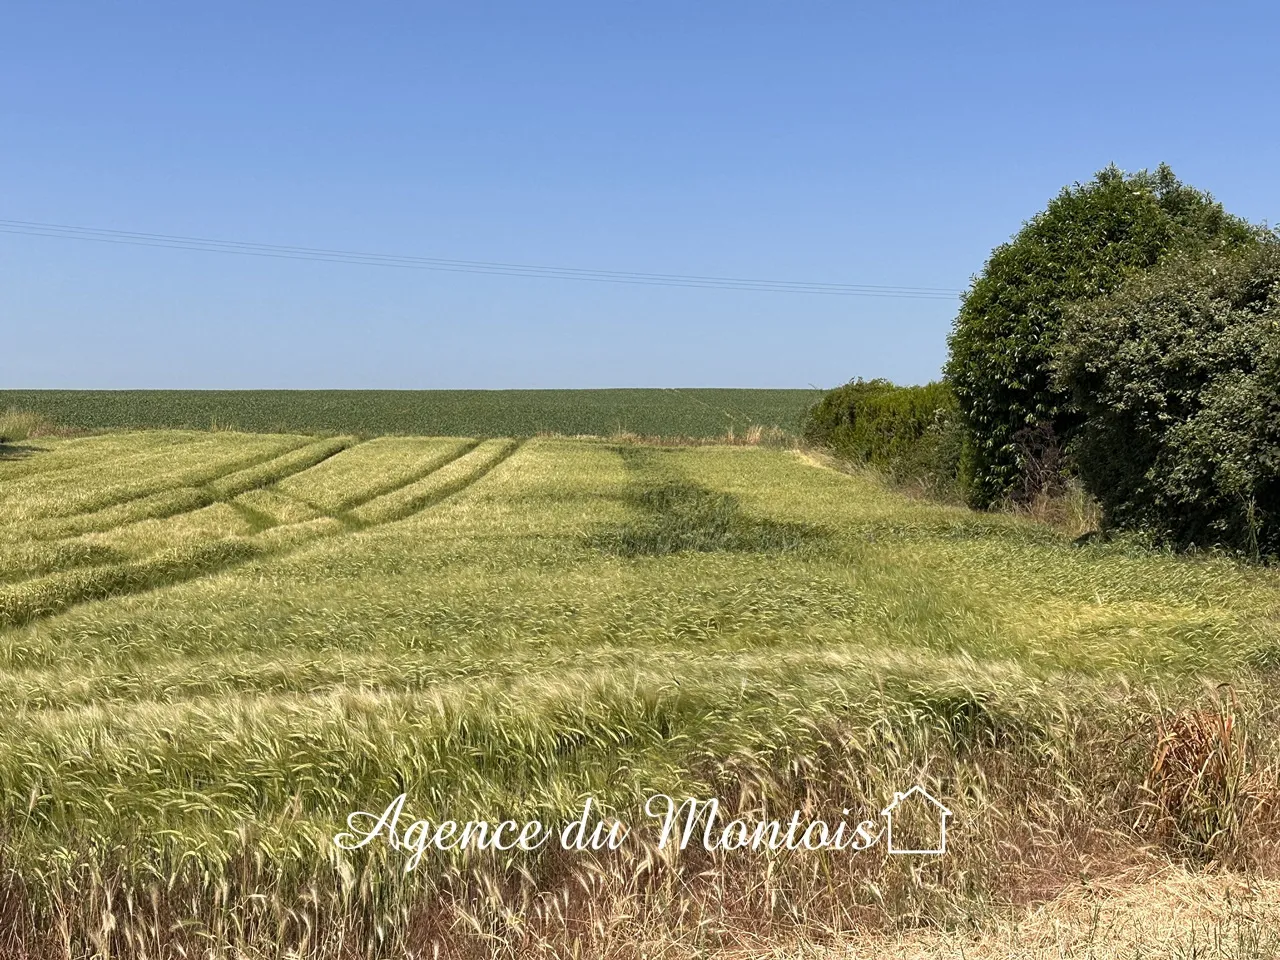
x,y
429,498
55,593
383,490
63,549
198,478
186,498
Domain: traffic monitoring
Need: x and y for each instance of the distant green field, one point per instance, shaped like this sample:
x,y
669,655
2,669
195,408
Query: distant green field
x,y
470,413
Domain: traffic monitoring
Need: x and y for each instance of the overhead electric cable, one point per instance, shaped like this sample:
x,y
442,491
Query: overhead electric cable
x,y
492,268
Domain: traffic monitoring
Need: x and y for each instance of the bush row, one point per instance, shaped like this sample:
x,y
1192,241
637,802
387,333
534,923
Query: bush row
x,y
1129,335
912,433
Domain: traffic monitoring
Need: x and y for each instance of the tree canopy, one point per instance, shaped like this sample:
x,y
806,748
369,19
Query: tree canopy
x,y
1089,239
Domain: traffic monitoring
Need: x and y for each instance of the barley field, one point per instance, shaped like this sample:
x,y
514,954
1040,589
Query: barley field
x,y
215,646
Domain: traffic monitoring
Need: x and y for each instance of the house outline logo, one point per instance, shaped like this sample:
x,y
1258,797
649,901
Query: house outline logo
x,y
942,812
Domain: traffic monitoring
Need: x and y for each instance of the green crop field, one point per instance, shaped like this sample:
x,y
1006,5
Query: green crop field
x,y
216,646
462,413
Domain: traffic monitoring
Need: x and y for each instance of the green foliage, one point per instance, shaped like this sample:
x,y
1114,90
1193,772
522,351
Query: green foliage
x,y
1177,376
1089,240
910,432
457,413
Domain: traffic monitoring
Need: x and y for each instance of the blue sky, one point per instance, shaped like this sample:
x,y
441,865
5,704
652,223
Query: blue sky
x,y
832,142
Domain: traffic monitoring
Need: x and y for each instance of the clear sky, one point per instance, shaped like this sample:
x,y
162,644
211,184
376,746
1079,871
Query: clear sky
x,y
888,143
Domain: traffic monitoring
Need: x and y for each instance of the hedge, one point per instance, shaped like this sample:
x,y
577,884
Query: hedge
x,y
910,432
1176,377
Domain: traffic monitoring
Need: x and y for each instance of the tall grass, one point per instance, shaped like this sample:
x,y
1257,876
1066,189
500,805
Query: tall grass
x,y
525,626
17,425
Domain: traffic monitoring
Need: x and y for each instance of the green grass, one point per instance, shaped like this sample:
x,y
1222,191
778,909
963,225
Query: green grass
x,y
193,701
464,413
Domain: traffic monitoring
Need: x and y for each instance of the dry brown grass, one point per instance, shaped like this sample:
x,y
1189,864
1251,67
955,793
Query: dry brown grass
x,y
1172,912
1206,796
1070,510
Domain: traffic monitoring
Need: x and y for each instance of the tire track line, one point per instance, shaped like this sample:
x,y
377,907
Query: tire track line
x,y
185,499
382,490
58,592
393,507
197,478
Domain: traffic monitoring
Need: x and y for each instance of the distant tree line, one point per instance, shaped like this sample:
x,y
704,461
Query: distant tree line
x,y
1128,336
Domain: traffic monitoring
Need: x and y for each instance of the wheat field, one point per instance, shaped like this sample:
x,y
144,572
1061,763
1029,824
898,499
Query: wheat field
x,y
216,646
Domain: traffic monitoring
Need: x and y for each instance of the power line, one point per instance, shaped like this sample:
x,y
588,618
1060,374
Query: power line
x,y
33,228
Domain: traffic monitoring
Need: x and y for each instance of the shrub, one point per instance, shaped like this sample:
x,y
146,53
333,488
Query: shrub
x,y
1177,378
1089,239
910,432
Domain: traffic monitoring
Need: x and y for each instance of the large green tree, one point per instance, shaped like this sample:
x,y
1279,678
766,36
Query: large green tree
x,y
1089,239
1176,376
